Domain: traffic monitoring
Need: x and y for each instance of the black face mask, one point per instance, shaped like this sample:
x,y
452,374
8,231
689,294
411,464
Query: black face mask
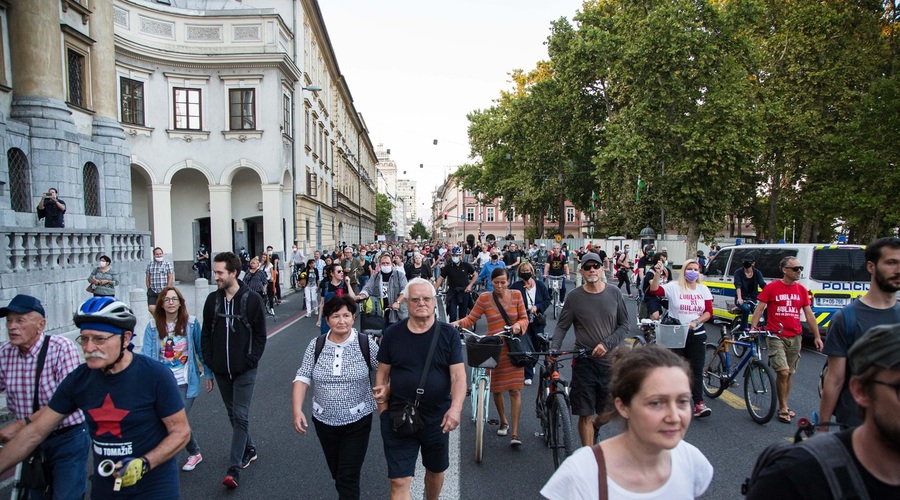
x,y
525,276
748,265
495,257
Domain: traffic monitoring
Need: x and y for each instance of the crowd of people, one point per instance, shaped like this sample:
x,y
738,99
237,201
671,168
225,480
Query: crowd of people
x,y
134,406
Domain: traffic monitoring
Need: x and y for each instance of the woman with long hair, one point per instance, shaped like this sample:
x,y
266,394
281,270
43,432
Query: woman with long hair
x,y
506,377
173,338
652,394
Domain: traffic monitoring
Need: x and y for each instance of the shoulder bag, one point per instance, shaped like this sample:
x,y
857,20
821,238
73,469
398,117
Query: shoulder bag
x,y
520,346
35,474
404,414
601,471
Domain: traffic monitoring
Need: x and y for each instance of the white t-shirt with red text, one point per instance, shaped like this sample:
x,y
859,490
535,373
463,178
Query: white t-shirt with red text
x,y
686,305
783,306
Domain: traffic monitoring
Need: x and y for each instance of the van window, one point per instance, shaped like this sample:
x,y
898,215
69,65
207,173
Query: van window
x,y
716,267
769,259
839,264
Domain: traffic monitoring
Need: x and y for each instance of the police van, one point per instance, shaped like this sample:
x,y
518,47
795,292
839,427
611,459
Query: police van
x,y
833,274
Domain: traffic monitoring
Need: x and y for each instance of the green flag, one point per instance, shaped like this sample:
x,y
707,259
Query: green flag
x,y
640,185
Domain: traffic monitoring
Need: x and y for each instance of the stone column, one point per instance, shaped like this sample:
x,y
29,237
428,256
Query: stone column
x,y
161,221
103,72
271,198
35,54
220,227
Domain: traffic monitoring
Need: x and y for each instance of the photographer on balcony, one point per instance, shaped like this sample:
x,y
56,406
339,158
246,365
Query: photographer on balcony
x,y
52,209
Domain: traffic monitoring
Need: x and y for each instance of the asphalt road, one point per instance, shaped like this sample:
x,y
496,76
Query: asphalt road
x,y
291,466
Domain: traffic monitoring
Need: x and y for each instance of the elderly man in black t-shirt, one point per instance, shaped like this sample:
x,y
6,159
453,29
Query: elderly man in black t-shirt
x,y
401,360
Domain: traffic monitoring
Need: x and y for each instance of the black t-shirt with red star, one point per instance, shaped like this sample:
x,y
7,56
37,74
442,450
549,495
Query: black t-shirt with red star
x,y
124,413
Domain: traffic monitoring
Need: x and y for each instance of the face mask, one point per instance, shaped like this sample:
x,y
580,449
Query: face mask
x,y
455,260
495,257
525,276
268,252
103,263
387,269
691,275
158,259
650,253
748,265
202,248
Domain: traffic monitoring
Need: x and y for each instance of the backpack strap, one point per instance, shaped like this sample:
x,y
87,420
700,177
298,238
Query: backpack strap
x,y
363,346
849,313
241,315
841,473
320,344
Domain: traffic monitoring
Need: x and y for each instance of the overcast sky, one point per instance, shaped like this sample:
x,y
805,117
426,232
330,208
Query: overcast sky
x,y
415,68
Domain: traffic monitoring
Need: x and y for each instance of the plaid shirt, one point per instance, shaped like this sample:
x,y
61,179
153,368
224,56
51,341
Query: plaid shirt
x,y
159,274
17,375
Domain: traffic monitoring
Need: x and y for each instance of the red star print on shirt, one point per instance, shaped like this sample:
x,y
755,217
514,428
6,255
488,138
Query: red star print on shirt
x,y
108,418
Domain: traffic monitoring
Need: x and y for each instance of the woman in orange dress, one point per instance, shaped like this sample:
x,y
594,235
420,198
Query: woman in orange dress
x,y
506,377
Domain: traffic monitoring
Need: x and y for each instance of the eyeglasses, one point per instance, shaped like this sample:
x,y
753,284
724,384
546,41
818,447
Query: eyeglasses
x,y
422,300
97,340
338,271
796,269
590,267
895,387
171,300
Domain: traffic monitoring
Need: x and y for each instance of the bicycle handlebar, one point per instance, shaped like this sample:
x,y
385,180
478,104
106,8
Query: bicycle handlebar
x,y
507,332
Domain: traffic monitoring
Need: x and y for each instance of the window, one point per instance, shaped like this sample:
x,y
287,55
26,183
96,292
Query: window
x,y
490,214
308,233
716,267
286,109
241,111
91,189
187,109
132,101
75,66
570,214
470,214
312,188
19,180
306,126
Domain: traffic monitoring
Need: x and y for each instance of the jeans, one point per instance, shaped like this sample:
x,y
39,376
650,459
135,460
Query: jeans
x,y
457,303
312,301
695,352
362,281
67,453
345,449
236,394
192,447
746,308
513,273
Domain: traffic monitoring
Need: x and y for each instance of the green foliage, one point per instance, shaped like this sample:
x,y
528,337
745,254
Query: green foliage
x,y
419,231
383,210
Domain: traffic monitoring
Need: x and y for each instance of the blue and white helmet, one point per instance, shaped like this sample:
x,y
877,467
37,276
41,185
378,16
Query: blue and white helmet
x,y
105,314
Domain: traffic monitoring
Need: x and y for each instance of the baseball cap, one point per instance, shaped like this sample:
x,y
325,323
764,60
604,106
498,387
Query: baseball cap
x,y
591,256
23,304
543,244
880,346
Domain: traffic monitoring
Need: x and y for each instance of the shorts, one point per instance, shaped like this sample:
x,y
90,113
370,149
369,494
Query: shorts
x,y
589,394
654,305
401,452
784,352
151,297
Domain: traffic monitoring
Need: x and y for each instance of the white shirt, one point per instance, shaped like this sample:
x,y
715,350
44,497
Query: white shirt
x,y
576,478
484,257
686,305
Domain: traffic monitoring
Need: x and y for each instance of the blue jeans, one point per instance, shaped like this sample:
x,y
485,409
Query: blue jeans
x,y
236,394
746,310
67,453
457,303
192,447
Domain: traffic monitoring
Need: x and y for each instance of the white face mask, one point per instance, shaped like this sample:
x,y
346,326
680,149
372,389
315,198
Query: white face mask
x,y
158,259
455,260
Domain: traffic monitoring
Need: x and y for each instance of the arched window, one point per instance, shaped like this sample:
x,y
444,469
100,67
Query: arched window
x,y
91,189
19,180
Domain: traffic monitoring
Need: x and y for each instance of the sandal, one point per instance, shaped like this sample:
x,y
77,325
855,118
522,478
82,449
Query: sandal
x,y
504,428
784,416
515,441
790,412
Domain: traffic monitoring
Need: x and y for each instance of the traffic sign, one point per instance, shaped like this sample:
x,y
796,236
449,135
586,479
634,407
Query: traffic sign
x,y
558,238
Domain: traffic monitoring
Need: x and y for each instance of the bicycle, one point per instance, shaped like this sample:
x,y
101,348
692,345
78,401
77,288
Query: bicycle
x,y
553,409
735,331
759,379
295,275
482,354
647,334
554,283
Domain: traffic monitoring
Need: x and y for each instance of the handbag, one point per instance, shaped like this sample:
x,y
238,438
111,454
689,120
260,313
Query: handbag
x,y
90,288
520,347
404,414
35,474
601,471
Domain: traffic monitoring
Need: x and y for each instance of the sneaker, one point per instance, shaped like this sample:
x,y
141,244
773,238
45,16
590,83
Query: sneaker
x,y
192,462
231,478
249,456
308,314
503,430
701,410
515,441
527,381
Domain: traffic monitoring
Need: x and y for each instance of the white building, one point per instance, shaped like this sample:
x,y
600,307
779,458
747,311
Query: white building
x,y
406,191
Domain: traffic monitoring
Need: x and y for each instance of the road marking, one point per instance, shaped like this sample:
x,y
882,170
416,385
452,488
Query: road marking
x,y
450,491
733,400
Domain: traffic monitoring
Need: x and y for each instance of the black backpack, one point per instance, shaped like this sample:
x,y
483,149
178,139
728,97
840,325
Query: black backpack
x,y
363,346
241,315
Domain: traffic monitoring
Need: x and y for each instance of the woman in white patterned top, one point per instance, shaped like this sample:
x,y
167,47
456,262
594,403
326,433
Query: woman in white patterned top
x,y
342,404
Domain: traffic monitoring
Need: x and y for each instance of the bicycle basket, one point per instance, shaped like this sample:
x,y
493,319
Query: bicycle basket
x,y
484,352
555,284
671,336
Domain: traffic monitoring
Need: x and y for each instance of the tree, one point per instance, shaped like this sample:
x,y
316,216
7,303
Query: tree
x,y
383,210
419,231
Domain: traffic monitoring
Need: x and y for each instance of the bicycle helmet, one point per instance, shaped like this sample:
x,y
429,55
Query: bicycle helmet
x,y
105,314
456,251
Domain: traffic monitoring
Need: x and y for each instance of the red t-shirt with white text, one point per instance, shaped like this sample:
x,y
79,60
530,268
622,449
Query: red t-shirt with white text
x,y
783,306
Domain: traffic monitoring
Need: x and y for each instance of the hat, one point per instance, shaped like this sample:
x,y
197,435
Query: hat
x,y
456,251
591,256
23,304
543,244
880,346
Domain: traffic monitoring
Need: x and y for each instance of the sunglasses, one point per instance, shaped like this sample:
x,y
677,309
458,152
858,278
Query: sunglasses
x,y
590,267
796,269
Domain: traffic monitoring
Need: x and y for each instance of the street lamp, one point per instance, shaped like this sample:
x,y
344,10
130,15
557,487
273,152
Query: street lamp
x,y
312,88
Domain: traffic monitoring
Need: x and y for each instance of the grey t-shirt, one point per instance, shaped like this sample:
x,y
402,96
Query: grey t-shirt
x,y
836,345
597,317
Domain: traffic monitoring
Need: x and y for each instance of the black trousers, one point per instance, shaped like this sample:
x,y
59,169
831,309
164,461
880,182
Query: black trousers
x,y
457,302
345,449
695,352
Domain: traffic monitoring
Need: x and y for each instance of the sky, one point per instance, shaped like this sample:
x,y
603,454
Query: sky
x,y
415,69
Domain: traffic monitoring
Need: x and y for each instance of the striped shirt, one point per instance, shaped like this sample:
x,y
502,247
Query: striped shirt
x,y
17,375
159,274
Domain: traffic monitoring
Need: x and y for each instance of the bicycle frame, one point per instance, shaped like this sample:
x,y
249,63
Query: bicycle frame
x,y
753,352
476,375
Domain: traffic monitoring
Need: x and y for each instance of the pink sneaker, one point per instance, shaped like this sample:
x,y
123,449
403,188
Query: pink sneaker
x,y
192,462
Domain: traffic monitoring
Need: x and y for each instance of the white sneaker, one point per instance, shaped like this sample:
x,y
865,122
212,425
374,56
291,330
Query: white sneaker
x,y
192,462
308,314
527,381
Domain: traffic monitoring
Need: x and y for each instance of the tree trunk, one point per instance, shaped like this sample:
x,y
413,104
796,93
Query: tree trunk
x,y
773,203
693,236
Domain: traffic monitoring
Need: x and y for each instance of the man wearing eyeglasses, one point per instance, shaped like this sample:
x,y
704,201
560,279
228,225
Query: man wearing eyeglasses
x,y
597,313
68,445
785,299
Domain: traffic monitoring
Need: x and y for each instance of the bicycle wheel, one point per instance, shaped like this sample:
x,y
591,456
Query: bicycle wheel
x,y
563,440
480,417
759,391
555,302
293,280
735,334
638,341
715,372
